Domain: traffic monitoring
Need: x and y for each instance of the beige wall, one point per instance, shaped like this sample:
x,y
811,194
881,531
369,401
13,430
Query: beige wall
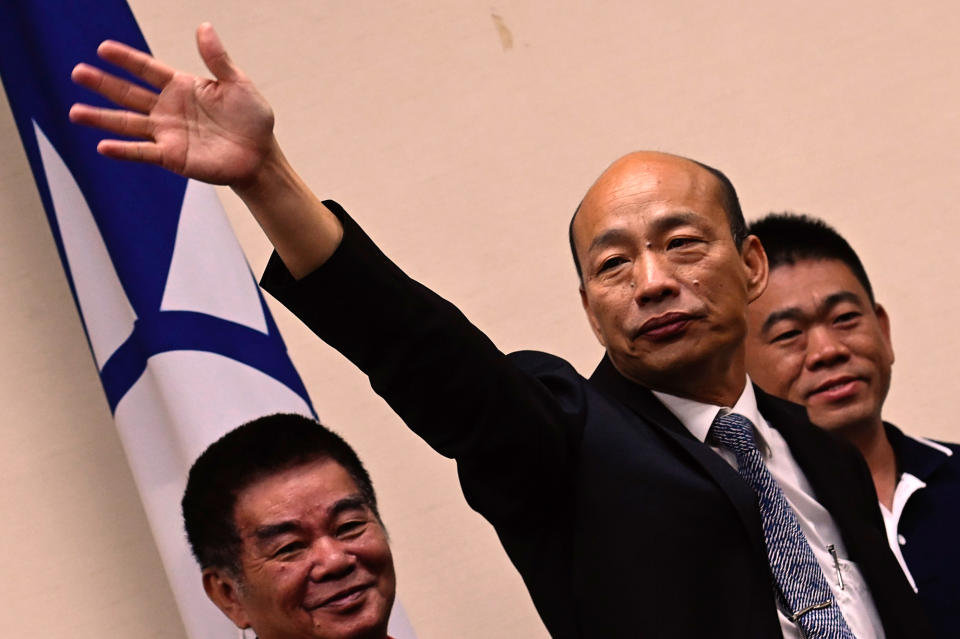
x,y
462,135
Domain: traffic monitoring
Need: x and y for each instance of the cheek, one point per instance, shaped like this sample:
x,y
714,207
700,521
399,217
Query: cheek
x,y
790,372
288,582
776,372
872,347
720,280
376,556
609,308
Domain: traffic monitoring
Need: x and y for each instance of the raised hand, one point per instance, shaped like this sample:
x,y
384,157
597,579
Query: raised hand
x,y
218,131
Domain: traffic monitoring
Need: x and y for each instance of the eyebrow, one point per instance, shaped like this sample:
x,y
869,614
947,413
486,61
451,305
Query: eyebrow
x,y
659,225
672,220
352,502
795,313
269,531
607,238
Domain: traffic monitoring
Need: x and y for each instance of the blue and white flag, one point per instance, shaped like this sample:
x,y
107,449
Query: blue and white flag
x,y
183,341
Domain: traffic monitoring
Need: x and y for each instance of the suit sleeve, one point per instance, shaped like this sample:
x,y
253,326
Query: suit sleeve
x,y
512,424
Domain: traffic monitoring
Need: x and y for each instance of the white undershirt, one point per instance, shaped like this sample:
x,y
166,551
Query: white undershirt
x,y
906,486
818,526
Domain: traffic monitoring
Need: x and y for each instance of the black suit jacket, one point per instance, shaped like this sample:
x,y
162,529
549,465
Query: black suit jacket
x,y
621,523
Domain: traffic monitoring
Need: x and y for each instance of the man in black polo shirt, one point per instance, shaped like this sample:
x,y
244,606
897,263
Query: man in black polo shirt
x,y
817,337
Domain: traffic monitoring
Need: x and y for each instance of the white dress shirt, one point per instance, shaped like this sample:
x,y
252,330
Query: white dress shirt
x,y
818,526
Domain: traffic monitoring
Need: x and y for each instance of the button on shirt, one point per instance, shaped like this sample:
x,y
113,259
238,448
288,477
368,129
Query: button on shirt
x,y
818,526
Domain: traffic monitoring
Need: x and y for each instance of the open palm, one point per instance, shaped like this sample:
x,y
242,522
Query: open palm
x,y
216,131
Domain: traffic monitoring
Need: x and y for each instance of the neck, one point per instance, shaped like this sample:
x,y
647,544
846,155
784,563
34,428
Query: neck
x,y
719,382
871,440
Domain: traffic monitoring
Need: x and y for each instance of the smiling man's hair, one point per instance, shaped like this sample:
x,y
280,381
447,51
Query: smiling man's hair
x,y
789,238
729,202
252,452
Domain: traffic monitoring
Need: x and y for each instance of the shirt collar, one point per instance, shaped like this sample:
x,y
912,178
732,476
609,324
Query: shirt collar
x,y
697,417
917,456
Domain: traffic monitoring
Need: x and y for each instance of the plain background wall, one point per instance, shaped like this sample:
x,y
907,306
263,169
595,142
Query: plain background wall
x,y
462,135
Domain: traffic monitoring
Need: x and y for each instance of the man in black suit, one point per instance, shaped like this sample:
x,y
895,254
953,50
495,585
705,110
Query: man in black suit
x,y
621,519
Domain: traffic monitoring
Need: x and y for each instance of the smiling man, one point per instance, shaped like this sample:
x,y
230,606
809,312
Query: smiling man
x,y
819,338
628,513
282,517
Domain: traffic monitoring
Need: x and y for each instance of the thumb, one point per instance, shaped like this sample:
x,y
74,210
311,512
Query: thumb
x,y
214,55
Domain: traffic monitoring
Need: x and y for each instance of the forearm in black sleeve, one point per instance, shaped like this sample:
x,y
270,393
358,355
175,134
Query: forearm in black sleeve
x,y
511,435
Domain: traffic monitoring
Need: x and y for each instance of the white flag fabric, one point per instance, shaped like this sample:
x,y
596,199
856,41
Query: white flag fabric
x,y
180,334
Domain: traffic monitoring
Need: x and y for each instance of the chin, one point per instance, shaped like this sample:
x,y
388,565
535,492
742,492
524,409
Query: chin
x,y
372,624
844,422
680,370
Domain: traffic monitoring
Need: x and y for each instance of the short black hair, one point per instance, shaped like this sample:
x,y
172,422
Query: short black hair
x,y
789,238
731,206
245,455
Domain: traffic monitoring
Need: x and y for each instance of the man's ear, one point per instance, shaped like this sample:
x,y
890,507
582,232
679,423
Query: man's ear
x,y
223,589
884,320
755,267
590,316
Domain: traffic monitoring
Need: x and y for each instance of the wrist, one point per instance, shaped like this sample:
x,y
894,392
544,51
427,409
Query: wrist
x,y
272,173
296,222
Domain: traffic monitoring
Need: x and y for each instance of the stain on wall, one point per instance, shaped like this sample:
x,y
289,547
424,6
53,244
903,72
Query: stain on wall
x,y
506,38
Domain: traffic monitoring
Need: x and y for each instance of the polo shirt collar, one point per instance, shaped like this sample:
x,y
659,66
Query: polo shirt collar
x,y
917,456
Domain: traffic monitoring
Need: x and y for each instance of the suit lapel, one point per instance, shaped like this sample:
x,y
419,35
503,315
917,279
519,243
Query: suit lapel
x,y
819,455
651,410
841,482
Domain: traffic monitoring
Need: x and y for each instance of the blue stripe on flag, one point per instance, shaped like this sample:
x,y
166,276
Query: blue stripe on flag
x,y
136,207
184,330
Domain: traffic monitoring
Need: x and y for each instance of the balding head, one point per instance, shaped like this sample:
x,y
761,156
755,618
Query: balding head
x,y
640,161
667,276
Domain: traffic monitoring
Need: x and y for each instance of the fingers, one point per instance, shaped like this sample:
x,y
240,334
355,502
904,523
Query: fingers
x,y
215,56
146,152
123,123
140,64
119,121
120,91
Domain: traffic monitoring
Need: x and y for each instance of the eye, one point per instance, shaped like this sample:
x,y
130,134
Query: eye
x,y
288,549
611,263
846,318
352,528
785,336
681,242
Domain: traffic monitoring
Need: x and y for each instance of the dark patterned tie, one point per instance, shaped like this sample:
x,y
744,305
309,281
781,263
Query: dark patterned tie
x,y
795,569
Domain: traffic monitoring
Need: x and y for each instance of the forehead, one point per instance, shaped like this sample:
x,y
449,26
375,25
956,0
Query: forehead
x,y
809,282
307,490
639,187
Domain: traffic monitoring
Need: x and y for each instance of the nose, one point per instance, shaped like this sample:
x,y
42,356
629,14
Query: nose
x,y
654,279
824,349
331,559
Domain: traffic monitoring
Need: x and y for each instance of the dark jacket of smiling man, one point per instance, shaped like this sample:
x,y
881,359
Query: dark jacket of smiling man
x,y
628,513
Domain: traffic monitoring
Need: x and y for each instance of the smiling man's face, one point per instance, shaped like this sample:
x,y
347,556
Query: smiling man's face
x,y
816,339
664,285
315,560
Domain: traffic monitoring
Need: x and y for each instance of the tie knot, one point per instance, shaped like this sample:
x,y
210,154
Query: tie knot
x,y
733,431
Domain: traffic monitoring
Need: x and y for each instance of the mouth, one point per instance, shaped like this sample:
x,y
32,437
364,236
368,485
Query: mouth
x,y
837,388
666,326
342,599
